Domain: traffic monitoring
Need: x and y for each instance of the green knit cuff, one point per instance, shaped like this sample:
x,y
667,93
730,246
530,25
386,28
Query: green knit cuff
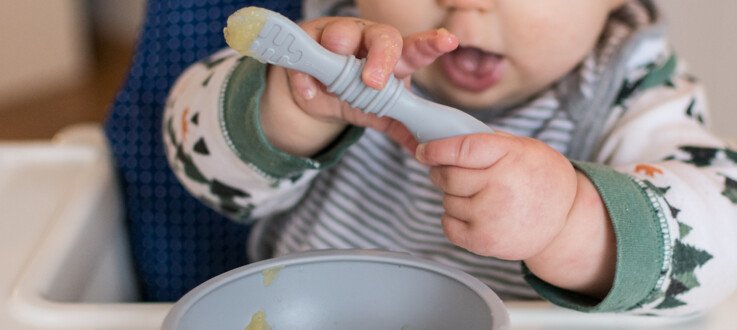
x,y
639,245
239,120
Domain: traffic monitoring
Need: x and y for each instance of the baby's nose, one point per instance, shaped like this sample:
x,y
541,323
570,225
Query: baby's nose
x,y
480,5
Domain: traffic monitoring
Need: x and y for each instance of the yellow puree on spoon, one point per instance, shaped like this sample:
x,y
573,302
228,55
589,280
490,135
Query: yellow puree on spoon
x,y
243,28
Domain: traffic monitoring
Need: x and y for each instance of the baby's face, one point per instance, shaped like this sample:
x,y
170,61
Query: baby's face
x,y
510,49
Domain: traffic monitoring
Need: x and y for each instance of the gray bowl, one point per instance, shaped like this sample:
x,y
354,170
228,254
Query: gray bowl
x,y
341,289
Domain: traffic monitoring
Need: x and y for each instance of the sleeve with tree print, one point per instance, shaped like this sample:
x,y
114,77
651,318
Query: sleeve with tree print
x,y
670,188
217,149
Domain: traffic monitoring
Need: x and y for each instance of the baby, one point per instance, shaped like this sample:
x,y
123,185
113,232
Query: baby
x,y
602,178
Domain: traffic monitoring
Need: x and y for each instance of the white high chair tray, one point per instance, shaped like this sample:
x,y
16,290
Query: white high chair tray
x,y
66,261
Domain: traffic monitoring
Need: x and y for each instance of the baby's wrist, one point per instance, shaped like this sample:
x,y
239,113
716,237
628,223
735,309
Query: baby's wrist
x,y
287,126
582,256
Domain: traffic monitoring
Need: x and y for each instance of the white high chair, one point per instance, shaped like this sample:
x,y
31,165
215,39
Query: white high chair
x,y
67,265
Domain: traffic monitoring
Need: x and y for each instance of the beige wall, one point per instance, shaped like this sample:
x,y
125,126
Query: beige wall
x,y
119,19
705,34
35,57
44,46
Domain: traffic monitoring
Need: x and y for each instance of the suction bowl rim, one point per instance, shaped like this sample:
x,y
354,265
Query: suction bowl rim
x,y
500,316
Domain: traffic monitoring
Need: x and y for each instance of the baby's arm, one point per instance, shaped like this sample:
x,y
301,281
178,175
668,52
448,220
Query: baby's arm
x,y
650,228
215,146
248,142
680,247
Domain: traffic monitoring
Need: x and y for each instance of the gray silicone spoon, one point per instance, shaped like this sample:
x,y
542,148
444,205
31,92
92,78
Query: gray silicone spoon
x,y
272,38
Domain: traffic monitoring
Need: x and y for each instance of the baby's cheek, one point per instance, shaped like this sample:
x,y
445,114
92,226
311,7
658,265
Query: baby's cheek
x,y
547,45
547,60
534,72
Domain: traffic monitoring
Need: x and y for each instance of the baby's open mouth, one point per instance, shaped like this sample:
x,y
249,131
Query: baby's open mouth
x,y
472,69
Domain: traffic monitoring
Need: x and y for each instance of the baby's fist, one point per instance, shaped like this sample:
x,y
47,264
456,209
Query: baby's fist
x,y
505,196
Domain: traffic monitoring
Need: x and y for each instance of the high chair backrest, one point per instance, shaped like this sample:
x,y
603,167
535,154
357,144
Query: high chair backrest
x,y
177,242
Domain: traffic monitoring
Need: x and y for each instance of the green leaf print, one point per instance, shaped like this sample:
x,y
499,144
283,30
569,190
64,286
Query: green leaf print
x,y
730,189
661,75
201,147
674,212
225,191
731,155
211,63
190,169
657,295
688,280
657,76
700,156
207,80
690,112
687,258
225,194
675,288
658,190
670,302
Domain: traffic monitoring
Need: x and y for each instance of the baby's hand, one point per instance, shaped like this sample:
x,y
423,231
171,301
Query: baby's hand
x,y
505,196
516,198
386,53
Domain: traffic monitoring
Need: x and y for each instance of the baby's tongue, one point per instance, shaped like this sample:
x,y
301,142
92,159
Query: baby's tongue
x,y
475,61
471,68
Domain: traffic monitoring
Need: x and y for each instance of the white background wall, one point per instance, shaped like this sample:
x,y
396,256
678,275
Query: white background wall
x,y
705,34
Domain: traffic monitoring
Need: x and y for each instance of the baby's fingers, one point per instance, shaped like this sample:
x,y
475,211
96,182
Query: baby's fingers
x,y
341,36
423,48
458,181
475,151
384,46
303,86
457,231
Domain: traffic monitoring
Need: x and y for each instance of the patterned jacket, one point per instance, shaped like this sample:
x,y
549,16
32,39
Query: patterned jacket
x,y
628,117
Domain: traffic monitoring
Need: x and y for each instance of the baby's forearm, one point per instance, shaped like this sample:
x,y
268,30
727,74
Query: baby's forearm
x,y
582,258
286,126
